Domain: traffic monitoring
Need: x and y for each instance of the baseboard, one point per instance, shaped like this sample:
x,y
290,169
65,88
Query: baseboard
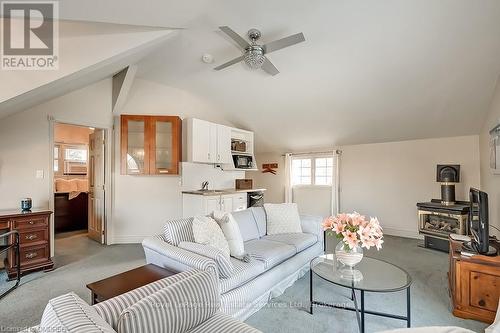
x,y
128,239
402,233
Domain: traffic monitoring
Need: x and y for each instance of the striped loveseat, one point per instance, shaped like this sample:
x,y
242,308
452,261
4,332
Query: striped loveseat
x,y
185,302
277,261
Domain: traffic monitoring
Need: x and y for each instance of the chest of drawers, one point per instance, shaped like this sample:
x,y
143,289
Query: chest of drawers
x,y
34,239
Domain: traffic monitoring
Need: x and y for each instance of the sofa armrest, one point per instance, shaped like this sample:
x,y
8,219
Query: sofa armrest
x,y
224,265
163,254
311,224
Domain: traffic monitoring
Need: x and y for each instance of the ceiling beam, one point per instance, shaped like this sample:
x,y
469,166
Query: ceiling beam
x,y
122,82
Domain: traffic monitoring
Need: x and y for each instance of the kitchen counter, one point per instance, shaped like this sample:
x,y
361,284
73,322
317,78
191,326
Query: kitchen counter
x,y
222,192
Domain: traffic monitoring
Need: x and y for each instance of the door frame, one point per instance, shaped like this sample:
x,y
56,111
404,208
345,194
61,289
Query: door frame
x,y
108,160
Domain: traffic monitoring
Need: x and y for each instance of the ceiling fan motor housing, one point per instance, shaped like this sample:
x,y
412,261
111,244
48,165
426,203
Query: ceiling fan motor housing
x,y
254,34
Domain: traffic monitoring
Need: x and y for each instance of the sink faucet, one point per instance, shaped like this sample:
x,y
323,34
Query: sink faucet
x,y
204,186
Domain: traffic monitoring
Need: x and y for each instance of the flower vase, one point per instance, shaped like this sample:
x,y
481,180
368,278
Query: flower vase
x,y
349,258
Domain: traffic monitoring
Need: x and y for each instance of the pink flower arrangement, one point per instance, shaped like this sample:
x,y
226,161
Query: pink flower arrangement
x,y
355,230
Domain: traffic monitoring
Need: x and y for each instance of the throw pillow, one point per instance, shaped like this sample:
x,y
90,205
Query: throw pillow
x,y
224,265
231,231
282,218
206,231
69,313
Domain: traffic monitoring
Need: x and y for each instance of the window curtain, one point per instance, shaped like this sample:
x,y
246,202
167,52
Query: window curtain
x,y
335,204
288,178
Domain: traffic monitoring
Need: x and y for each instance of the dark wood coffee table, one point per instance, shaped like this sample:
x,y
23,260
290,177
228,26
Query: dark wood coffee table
x,y
126,281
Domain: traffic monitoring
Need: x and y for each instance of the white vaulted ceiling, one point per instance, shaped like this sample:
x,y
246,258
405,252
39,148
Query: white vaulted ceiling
x,y
369,71
88,52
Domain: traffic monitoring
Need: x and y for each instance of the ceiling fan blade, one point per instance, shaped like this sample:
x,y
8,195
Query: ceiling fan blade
x,y
229,63
269,67
284,42
234,36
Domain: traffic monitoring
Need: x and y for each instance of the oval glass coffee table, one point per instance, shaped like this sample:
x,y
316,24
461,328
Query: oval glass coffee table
x,y
378,276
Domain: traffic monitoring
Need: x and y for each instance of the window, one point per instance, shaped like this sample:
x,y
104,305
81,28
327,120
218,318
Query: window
x,y
56,159
323,171
312,171
301,171
75,154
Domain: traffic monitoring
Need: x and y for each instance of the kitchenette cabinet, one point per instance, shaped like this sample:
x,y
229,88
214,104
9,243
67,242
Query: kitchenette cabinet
x,y
150,145
206,142
205,204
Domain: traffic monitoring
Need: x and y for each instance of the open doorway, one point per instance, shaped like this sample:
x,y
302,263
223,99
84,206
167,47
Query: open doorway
x,y
79,187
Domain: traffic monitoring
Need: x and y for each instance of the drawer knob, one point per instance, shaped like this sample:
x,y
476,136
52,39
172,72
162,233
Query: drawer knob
x,y
31,236
31,255
31,222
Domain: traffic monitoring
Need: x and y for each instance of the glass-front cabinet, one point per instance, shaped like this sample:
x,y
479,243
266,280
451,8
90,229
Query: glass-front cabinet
x,y
150,145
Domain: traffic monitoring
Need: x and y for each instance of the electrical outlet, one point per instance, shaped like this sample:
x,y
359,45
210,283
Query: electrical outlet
x,y
39,174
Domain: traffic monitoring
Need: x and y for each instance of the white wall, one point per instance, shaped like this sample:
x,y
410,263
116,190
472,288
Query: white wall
x,y
310,199
194,174
387,179
275,184
25,142
142,204
490,183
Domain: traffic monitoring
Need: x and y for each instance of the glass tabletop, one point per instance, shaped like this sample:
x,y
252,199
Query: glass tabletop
x,y
377,275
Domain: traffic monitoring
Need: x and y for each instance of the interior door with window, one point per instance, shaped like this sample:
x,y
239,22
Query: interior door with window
x,y
96,186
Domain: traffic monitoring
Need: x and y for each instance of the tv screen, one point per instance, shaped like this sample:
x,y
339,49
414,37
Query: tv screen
x,y
478,220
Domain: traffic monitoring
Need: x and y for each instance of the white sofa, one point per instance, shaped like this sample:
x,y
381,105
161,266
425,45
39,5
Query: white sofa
x,y
277,261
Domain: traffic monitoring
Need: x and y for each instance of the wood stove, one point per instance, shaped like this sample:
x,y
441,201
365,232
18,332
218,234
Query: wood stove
x,y
436,221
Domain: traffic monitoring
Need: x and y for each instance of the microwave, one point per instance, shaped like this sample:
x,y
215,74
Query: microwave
x,y
243,161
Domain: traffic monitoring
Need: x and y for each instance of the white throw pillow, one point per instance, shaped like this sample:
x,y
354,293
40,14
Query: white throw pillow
x,y
206,231
282,218
232,233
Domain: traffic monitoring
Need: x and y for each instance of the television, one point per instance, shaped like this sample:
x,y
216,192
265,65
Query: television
x,y
478,222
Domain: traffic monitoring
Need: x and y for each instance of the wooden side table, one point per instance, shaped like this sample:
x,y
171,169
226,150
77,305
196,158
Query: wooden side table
x,y
474,284
126,281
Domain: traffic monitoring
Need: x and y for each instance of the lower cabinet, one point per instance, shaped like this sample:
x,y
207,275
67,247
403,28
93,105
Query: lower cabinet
x,y
474,284
34,239
194,204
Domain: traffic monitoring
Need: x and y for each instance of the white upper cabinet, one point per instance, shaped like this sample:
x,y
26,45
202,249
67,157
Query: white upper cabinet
x,y
224,144
206,142
201,141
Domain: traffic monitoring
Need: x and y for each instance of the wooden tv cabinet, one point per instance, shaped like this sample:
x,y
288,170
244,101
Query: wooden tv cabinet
x,y
474,284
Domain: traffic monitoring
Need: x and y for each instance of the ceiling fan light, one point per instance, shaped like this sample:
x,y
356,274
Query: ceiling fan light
x,y
254,59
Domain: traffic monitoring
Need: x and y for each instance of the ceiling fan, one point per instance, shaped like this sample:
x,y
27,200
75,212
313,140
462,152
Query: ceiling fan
x,y
254,55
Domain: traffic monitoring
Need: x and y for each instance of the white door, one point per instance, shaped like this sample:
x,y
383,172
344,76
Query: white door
x,y
224,144
200,132
96,186
226,203
212,203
